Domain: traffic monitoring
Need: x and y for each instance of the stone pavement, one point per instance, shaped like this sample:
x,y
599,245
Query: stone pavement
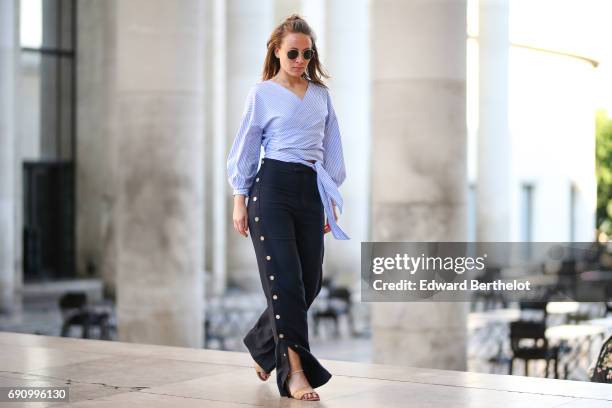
x,y
116,374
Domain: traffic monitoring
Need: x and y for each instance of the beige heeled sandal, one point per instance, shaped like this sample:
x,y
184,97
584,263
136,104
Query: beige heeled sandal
x,y
299,394
263,376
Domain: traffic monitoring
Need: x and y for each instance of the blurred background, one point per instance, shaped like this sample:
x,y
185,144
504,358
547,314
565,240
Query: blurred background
x,y
461,120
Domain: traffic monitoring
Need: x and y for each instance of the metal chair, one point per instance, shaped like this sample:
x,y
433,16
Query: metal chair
x,y
538,349
337,302
75,312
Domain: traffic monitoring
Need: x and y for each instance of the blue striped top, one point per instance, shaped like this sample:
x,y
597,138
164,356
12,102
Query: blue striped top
x,y
294,130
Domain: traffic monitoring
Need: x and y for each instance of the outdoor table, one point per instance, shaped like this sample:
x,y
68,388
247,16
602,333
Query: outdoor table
x,y
604,322
562,307
575,342
490,333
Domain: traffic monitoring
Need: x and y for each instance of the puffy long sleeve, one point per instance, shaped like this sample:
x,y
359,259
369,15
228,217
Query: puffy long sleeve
x,y
333,158
244,153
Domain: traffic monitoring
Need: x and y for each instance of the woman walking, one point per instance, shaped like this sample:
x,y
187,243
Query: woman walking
x,y
290,114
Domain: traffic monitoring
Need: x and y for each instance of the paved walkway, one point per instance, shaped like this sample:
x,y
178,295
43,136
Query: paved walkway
x,y
116,374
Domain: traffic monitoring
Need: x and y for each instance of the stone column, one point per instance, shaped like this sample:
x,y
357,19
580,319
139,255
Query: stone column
x,y
211,28
159,157
221,206
346,34
316,14
249,24
9,47
419,176
494,196
97,134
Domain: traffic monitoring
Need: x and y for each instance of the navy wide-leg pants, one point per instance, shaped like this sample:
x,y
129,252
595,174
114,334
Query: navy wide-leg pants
x,y
286,219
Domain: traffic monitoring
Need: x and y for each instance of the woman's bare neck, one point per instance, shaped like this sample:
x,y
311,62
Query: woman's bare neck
x,y
289,81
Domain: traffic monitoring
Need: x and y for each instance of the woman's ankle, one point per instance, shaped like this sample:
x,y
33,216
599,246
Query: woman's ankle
x,y
294,360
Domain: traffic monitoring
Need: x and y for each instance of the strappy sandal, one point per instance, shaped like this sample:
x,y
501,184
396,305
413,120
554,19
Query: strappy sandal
x,y
311,395
263,376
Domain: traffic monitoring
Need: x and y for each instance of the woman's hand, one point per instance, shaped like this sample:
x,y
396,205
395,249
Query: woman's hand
x,y
327,227
240,217
334,209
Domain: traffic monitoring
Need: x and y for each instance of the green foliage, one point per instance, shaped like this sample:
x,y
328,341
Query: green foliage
x,y
603,159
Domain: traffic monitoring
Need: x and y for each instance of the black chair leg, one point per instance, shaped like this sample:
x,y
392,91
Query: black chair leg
x,y
65,329
526,368
104,329
510,366
351,323
336,327
86,326
546,369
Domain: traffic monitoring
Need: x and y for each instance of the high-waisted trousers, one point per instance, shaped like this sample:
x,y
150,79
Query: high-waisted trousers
x,y
285,218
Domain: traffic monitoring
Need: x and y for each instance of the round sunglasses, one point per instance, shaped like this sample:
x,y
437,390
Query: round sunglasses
x,y
307,53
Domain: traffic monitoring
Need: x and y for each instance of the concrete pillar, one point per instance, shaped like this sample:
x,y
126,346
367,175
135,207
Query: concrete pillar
x,y
158,95
221,207
316,14
419,176
494,186
9,48
97,134
346,34
211,26
249,25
